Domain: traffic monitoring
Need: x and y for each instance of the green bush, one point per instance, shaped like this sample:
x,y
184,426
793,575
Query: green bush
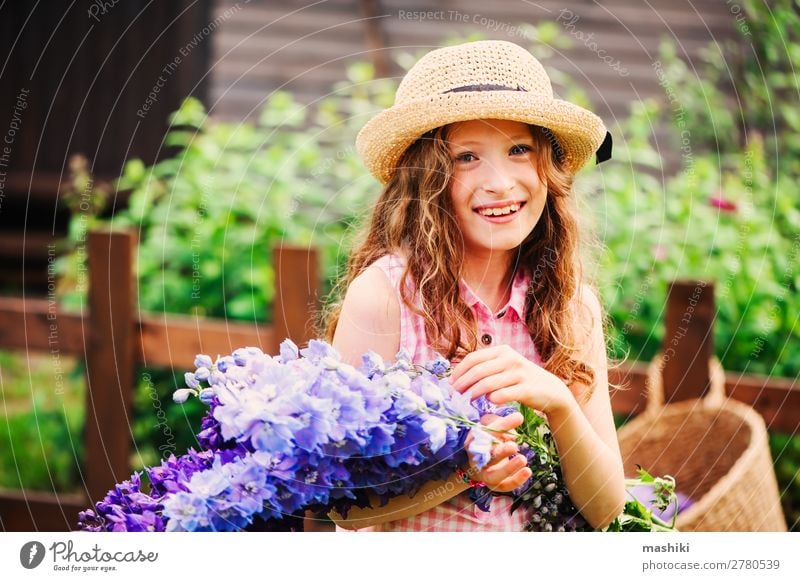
x,y
42,449
712,221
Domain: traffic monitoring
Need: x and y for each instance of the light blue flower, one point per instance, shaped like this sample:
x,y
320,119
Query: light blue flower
x,y
240,357
372,363
224,363
274,438
216,377
430,391
210,483
408,403
181,395
191,380
202,361
186,512
288,351
480,448
436,428
317,349
438,366
206,395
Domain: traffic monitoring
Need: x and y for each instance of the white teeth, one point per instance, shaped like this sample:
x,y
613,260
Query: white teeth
x,y
499,211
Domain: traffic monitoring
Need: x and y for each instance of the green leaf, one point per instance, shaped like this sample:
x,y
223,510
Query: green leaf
x,y
191,113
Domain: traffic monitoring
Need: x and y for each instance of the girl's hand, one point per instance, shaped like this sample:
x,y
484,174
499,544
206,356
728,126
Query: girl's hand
x,y
502,474
505,375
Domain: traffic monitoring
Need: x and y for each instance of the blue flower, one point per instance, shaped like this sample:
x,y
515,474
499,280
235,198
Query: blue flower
x,y
438,366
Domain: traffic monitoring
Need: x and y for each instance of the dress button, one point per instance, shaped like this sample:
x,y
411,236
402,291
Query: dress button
x,y
501,314
486,339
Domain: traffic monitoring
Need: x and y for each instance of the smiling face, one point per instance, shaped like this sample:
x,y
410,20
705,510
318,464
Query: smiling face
x,y
496,191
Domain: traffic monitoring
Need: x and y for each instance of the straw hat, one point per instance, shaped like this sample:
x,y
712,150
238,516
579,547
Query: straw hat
x,y
487,79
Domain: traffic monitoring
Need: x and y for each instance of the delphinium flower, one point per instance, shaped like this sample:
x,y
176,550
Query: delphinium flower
x,y
310,431
129,508
304,430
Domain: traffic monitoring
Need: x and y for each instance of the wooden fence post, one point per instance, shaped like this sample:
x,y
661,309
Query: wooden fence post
x,y
297,289
110,360
689,339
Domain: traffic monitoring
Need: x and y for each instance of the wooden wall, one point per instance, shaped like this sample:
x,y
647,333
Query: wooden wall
x,y
85,71
273,44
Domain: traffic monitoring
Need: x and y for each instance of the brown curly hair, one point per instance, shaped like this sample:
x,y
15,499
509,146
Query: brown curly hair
x,y
415,214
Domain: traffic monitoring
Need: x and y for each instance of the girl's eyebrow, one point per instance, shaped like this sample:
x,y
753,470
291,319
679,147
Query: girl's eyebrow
x,y
472,143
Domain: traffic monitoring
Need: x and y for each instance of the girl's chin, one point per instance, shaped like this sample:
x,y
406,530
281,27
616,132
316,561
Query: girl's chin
x,y
498,243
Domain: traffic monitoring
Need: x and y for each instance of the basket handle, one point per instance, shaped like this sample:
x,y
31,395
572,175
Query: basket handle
x,y
655,384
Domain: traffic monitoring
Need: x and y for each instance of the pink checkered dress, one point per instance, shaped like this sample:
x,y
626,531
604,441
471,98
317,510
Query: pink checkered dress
x,y
505,327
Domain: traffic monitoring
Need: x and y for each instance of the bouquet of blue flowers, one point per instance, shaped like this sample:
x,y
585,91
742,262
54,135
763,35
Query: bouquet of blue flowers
x,y
303,430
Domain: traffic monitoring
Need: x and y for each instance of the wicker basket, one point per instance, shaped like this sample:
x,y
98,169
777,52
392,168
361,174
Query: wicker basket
x,y
717,450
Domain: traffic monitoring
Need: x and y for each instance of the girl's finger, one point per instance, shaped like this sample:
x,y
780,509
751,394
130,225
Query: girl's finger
x,y
505,468
507,423
506,394
490,384
500,452
489,419
471,359
502,479
477,372
515,480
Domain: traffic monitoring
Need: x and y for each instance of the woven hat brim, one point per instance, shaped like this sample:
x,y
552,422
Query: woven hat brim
x,y
386,136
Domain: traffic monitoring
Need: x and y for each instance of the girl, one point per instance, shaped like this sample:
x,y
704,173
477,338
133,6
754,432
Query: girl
x,y
472,253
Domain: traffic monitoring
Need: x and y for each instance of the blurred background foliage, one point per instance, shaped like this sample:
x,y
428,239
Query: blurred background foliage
x,y
208,217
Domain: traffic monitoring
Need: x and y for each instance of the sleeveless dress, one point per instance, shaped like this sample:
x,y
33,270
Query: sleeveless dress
x,y
506,327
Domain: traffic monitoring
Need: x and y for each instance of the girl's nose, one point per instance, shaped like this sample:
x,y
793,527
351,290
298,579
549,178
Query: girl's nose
x,y
496,178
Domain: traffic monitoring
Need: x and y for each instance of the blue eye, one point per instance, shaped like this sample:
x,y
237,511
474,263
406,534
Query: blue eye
x,y
521,148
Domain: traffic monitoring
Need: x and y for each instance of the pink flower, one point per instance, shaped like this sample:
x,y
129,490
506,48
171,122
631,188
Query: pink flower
x,y
722,204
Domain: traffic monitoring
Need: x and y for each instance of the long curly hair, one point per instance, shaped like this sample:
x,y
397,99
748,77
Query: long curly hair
x,y
415,214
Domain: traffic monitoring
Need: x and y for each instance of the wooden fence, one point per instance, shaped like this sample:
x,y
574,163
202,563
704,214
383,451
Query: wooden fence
x,y
115,339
